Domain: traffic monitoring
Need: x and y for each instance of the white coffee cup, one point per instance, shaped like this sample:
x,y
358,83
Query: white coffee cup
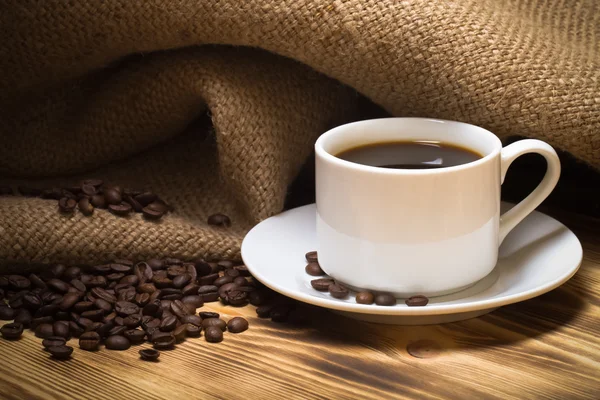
x,y
417,231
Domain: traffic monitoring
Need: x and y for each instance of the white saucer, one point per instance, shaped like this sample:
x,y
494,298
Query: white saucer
x,y
539,255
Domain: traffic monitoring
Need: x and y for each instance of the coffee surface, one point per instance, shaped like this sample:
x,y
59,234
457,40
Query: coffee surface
x,y
410,155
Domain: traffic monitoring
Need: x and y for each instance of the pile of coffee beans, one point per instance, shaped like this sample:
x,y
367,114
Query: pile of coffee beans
x,y
339,291
123,303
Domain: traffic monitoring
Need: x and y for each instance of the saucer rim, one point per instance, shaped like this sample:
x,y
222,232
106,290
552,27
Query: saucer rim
x,y
401,309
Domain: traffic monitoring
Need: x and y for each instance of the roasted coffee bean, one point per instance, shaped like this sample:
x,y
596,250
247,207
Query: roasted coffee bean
x,y
32,301
145,198
280,313
338,291
236,298
151,308
149,354
117,342
258,297
181,280
179,309
94,326
156,264
157,206
16,300
19,282
130,280
164,342
166,305
118,321
142,299
54,341
243,270
314,269
208,279
137,207
194,301
77,284
175,270
240,281
385,299
37,281
152,213
60,352
117,330
208,314
62,316
47,310
122,209
161,282
84,322
35,322
237,325
125,308
321,284
223,280
365,297
72,273
120,268
417,301
168,323
170,291
110,317
192,330
76,330
179,333
146,288
83,306
85,206
190,289
68,301
112,196
93,182
225,264
218,322
105,329
58,285
127,295
115,276
61,328
103,305
219,220
213,334
67,205
152,324
232,273
143,271
93,315
23,317
12,331
44,331
192,319
89,341
98,201
312,256
88,190
132,321
135,336
203,268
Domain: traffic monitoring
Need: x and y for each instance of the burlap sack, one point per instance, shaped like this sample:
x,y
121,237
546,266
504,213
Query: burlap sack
x,y
110,89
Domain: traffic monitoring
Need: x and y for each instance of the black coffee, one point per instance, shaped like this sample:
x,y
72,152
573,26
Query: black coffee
x,y
410,155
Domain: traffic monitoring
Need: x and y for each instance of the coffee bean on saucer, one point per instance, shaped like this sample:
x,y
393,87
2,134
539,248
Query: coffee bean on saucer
x,y
314,269
385,299
338,291
213,334
54,341
219,220
12,331
149,354
89,341
237,325
117,342
365,297
60,352
321,284
311,256
417,301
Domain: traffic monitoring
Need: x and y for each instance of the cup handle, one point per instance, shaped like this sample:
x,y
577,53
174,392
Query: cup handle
x,y
511,218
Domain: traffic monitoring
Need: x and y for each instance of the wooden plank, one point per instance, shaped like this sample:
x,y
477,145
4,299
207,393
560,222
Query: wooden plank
x,y
546,347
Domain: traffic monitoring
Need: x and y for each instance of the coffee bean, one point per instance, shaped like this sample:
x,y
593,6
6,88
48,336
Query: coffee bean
x,y
194,300
154,323
135,336
258,297
208,314
37,281
149,354
85,206
132,321
147,288
218,322
117,342
237,325
156,264
203,268
232,273
143,271
75,330
157,206
19,282
240,281
225,289
151,213
192,319
141,299
163,342
12,331
32,301
213,334
112,196
219,220
168,323
83,306
243,270
62,316
385,299
58,285
365,297
161,282
23,317
60,352
180,333
122,209
190,289
78,285
127,295
417,301
314,269
237,298
115,276
98,201
67,205
88,190
321,284
68,301
89,341
192,330
61,328
280,313
36,322
54,341
125,308
338,291
181,280
44,331
312,256
105,329
179,309
137,207
208,279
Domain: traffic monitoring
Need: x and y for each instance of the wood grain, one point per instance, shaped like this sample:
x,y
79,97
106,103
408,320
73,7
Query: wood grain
x,y
547,347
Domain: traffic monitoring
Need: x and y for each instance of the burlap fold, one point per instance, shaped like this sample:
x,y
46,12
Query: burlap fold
x,y
111,89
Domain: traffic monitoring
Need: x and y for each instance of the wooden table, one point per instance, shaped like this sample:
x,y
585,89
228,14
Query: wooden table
x,y
547,347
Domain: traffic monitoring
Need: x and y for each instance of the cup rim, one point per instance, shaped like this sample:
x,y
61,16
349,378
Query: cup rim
x,y
322,153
